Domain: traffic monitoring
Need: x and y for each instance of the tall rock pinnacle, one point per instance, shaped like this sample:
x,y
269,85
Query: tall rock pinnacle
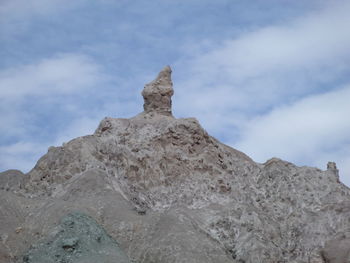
x,y
157,94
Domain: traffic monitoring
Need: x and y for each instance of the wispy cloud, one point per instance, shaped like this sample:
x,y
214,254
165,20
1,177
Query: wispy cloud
x,y
62,74
317,40
273,91
311,131
21,155
32,95
262,67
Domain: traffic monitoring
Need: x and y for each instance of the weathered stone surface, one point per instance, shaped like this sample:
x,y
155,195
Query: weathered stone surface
x,y
337,250
167,191
11,180
78,238
157,94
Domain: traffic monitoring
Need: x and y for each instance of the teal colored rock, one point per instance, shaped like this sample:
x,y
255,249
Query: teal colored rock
x,y
77,239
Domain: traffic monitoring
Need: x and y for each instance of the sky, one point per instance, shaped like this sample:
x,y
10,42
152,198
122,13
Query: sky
x,y
268,77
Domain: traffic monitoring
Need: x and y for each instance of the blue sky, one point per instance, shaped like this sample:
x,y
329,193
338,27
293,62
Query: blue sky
x,y
268,77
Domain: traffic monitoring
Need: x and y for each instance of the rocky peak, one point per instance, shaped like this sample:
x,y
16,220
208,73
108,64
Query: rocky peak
x,y
167,191
157,94
331,166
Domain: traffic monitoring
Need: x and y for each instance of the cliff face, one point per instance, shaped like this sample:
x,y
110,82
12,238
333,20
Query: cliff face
x,y
166,191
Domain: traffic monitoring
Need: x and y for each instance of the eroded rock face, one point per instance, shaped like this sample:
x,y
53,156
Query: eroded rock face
x,y
78,238
337,250
157,94
167,191
11,180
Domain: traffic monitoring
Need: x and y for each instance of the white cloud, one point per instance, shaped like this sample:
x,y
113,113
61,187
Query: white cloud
x,y
322,37
21,155
272,64
62,74
284,73
76,128
28,92
68,82
311,131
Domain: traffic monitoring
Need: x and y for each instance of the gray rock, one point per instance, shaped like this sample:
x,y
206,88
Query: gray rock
x,y
78,238
11,180
157,94
337,250
167,191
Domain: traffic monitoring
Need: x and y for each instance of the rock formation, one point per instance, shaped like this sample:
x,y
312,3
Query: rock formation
x,y
167,192
157,94
77,239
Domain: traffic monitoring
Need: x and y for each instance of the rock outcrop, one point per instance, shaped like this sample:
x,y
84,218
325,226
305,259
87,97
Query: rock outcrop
x,y
78,238
157,94
166,191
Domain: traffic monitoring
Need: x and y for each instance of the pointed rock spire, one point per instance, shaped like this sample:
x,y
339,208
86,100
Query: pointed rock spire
x,y
157,94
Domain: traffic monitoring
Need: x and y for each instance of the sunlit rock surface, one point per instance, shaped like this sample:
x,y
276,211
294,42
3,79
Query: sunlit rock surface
x,y
166,191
